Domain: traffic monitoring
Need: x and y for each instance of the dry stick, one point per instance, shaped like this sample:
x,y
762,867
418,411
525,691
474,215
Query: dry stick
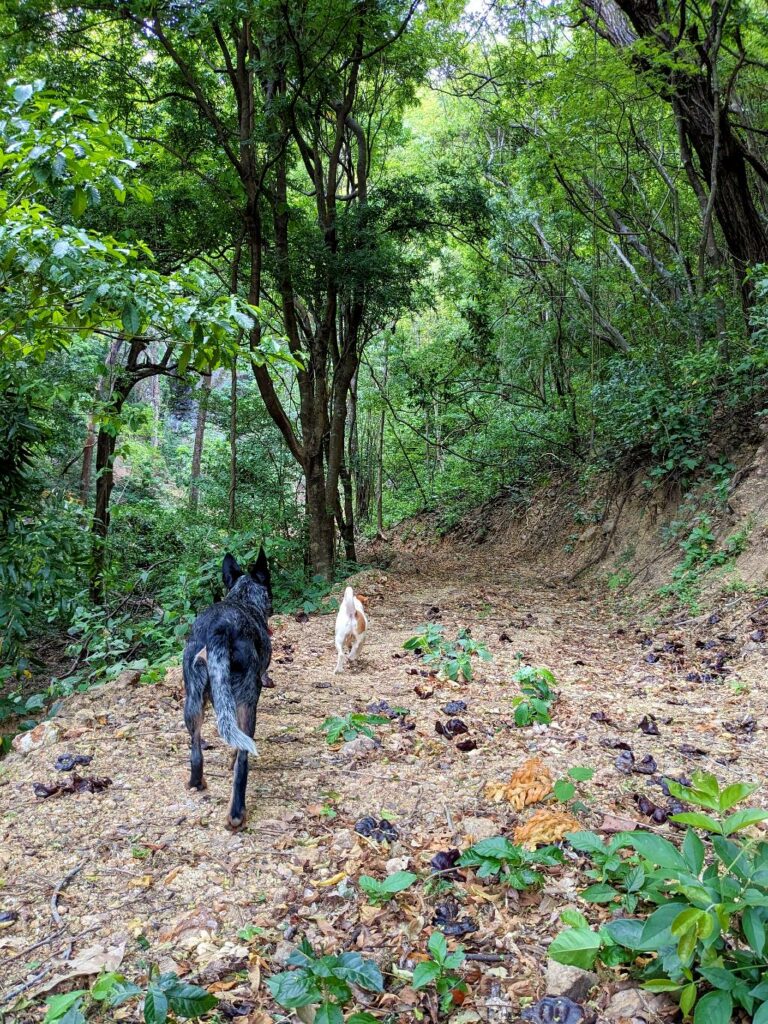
x,y
31,982
54,900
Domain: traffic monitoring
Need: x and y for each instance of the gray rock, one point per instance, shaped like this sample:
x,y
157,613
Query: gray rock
x,y
358,747
637,1005
562,980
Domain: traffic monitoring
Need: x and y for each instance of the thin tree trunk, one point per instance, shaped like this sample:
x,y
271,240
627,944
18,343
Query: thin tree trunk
x,y
380,460
85,472
154,397
233,447
105,454
197,451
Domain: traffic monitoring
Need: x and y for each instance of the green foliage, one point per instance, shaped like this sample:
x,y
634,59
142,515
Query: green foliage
x,y
165,994
440,971
382,892
510,864
450,658
537,698
701,556
565,789
325,982
707,922
351,726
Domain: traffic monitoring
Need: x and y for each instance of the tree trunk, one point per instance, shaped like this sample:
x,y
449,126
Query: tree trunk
x,y
380,452
320,524
85,472
233,447
105,454
197,451
347,523
154,397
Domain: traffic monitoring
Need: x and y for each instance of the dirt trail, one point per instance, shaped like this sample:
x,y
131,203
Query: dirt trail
x,y
148,864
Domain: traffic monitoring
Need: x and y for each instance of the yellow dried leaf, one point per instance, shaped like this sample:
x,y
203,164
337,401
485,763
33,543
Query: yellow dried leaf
x,y
528,785
334,880
545,827
143,882
254,976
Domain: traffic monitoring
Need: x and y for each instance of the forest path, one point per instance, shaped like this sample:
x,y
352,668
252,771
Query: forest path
x,y
150,865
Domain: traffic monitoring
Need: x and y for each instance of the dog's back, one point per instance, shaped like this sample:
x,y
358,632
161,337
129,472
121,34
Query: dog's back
x,y
227,653
225,659
351,625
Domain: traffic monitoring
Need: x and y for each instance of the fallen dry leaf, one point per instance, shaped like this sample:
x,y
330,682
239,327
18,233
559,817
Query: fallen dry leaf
x,y
334,880
92,960
530,783
545,827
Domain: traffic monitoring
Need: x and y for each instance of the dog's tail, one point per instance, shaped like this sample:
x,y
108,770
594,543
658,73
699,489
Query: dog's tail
x,y
223,700
349,602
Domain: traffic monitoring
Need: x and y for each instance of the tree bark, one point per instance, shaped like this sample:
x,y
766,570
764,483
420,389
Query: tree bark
x,y
85,471
197,450
233,448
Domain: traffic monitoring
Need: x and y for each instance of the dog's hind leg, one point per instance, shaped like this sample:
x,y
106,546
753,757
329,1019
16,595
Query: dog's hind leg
x,y
340,663
356,648
193,719
246,720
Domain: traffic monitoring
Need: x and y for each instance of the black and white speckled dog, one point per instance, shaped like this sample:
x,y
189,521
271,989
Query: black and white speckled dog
x,y
227,654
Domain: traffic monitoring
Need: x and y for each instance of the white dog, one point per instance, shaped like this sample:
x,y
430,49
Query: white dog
x,y
351,624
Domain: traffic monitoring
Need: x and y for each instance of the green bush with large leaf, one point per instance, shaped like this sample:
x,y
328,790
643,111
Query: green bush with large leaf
x,y
706,941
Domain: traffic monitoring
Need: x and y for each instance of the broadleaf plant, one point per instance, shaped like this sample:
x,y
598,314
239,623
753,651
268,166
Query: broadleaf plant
x,y
325,982
702,909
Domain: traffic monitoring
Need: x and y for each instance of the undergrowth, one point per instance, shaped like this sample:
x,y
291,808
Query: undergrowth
x,y
700,925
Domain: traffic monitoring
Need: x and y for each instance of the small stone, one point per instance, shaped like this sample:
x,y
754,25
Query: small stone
x,y
344,840
572,982
124,732
358,747
632,1003
479,828
282,953
43,735
397,864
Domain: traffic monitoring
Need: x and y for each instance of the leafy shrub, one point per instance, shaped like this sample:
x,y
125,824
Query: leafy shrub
x,y
512,865
382,892
708,936
565,789
440,971
537,695
700,556
451,658
164,994
325,982
351,726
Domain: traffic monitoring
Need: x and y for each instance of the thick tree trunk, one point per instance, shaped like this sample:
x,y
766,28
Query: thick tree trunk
x,y
320,522
197,450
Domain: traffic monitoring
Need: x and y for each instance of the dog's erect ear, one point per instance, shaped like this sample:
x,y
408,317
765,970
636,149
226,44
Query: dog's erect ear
x,y
230,571
259,570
